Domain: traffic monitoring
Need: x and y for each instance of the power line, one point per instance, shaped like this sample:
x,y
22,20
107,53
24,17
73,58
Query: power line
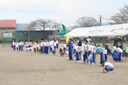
x,y
47,12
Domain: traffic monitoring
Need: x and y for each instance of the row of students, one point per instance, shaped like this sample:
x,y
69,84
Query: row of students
x,y
82,51
44,46
18,45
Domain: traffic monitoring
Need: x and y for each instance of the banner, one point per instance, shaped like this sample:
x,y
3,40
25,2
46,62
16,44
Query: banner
x,y
7,35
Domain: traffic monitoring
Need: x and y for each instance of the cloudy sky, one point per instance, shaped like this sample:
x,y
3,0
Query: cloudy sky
x,y
65,11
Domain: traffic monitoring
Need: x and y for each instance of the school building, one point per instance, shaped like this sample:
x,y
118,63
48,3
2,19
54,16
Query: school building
x,y
36,34
7,26
22,31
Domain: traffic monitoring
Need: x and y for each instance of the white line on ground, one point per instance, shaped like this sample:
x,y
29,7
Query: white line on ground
x,y
3,53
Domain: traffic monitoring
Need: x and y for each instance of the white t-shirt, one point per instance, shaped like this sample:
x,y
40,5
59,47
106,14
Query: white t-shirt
x,y
14,43
21,43
27,44
66,52
42,43
35,45
38,45
74,46
47,43
94,48
83,46
114,47
119,50
65,45
77,41
86,46
50,42
56,42
17,45
30,43
89,47
89,39
108,64
104,51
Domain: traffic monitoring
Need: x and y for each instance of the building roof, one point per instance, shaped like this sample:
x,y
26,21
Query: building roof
x,y
118,30
7,23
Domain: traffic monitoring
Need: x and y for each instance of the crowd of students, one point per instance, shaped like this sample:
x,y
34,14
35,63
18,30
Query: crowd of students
x,y
84,51
44,46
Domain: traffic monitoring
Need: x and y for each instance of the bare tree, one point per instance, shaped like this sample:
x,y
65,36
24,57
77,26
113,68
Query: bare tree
x,y
44,25
86,22
121,17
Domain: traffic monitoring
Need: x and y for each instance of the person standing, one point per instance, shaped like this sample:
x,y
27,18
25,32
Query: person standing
x,y
12,43
120,52
85,56
89,39
120,44
57,45
70,47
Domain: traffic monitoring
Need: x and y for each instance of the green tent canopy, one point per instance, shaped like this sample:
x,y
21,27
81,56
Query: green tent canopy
x,y
63,31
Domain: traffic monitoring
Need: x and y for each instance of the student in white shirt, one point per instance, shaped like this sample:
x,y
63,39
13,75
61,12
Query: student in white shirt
x,y
47,47
38,47
21,45
74,50
89,49
83,51
14,45
30,45
27,45
85,56
17,45
77,41
120,52
42,46
105,52
89,39
57,45
65,46
93,52
54,47
107,66
77,53
34,46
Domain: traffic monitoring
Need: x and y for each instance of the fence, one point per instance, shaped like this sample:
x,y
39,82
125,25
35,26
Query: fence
x,y
7,36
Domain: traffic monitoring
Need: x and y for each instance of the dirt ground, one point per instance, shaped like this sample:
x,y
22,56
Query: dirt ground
x,y
28,68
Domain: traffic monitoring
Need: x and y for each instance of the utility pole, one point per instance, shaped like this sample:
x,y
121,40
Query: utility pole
x,y
100,24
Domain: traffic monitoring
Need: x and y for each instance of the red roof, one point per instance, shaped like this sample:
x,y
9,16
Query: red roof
x,y
7,23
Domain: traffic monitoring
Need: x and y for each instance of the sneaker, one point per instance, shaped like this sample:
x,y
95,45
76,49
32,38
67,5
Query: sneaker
x,y
109,71
83,62
114,61
79,61
93,63
86,62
